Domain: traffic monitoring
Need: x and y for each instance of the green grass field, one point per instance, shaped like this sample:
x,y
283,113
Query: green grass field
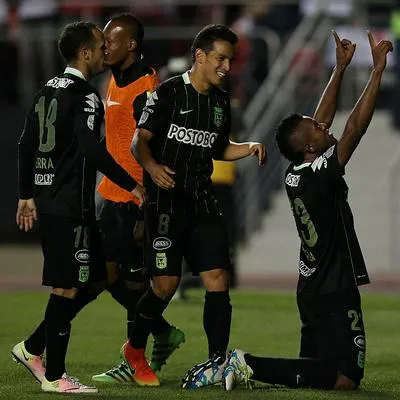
x,y
263,323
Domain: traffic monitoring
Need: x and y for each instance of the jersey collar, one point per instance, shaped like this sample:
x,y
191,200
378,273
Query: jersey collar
x,y
74,71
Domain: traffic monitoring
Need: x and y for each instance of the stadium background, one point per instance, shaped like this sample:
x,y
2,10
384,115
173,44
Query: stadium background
x,y
284,59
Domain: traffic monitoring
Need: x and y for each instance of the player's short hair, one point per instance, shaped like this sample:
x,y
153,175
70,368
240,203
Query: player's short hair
x,y
74,37
283,133
209,34
133,24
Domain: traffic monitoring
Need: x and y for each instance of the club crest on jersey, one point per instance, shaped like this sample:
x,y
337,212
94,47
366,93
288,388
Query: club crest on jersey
x,y
218,116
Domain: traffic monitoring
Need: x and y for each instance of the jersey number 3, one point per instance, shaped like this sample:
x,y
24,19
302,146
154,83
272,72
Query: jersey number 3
x,y
307,229
47,131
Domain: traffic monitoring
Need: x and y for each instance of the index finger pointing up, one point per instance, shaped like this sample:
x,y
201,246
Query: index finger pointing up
x,y
337,39
371,39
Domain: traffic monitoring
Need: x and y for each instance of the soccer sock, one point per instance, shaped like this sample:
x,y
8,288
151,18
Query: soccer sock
x,y
59,313
36,343
120,293
148,313
217,321
133,297
301,372
160,326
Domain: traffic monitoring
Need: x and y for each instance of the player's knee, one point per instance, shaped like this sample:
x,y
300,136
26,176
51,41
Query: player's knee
x,y
344,383
216,280
68,293
165,286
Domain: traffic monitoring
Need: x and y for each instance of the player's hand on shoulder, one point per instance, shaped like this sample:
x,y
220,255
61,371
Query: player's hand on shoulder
x,y
344,51
140,193
258,150
162,176
379,51
26,214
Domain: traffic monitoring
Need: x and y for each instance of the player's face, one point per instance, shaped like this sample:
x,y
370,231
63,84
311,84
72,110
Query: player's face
x,y
218,62
96,60
318,135
117,44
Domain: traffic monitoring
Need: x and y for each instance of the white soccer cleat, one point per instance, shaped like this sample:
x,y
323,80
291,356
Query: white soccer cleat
x,y
67,384
237,371
205,374
34,364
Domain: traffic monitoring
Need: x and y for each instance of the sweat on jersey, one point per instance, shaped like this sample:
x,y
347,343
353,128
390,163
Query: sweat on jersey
x,y
59,150
330,255
190,130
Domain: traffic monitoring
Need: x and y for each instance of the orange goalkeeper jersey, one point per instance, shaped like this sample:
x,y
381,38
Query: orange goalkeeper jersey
x,y
120,127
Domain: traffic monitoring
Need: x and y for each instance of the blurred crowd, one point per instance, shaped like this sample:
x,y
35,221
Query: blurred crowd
x,y
29,31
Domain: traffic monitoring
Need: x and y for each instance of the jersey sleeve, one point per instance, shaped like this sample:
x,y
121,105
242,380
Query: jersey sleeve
x,y
327,167
26,156
86,126
156,113
138,105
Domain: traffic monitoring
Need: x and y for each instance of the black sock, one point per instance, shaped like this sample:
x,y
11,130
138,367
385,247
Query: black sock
x,y
82,299
217,321
133,299
120,293
301,372
160,326
148,313
36,343
59,313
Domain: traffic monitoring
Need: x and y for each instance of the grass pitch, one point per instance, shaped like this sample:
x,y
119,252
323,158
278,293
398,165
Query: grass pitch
x,y
263,323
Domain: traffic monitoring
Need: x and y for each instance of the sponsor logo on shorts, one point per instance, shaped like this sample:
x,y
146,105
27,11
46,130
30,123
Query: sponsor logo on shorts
x,y
161,260
360,341
161,243
82,255
83,273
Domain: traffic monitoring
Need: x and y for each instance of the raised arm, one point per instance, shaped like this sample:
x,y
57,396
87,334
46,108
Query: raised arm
x,y
362,112
326,109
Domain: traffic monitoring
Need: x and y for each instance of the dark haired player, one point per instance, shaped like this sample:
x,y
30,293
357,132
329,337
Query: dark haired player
x,y
185,125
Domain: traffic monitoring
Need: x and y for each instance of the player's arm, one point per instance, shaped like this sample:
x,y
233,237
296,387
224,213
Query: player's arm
x,y
160,174
236,151
326,109
362,112
26,210
98,155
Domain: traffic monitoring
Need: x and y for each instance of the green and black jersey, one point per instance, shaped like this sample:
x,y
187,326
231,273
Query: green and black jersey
x,y
330,255
190,129
59,150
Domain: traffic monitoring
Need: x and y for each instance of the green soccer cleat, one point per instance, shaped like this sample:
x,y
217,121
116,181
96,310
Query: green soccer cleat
x,y
164,345
121,373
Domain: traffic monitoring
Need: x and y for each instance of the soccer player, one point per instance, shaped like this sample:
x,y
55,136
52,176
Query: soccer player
x,y
331,265
120,218
59,153
185,125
